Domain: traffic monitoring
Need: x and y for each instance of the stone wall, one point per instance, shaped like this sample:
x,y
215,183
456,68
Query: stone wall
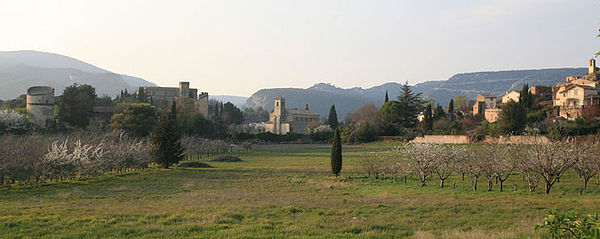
x,y
442,139
463,139
519,139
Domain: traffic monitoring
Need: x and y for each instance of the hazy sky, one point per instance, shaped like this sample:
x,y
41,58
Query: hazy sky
x,y
238,47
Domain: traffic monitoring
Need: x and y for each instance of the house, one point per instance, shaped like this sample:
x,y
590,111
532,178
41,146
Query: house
x,y
512,95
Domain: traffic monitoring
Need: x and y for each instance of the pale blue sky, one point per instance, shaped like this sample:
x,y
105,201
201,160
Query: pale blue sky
x,y
238,47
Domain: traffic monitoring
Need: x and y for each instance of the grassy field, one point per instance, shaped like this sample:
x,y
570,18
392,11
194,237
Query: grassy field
x,y
280,191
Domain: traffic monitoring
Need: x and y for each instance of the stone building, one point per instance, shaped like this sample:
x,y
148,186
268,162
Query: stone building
x,y
577,93
484,102
491,115
512,95
40,105
283,120
542,95
161,97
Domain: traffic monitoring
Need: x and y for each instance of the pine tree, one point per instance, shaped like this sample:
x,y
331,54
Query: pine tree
x,y
336,153
411,105
332,121
165,139
386,97
427,119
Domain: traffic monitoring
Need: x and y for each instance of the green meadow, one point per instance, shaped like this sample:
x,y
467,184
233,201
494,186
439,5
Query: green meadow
x,y
282,191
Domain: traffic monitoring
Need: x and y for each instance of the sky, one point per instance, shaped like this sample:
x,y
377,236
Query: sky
x,y
237,47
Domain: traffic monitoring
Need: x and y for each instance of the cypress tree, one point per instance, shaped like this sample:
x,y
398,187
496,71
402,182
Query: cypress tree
x,y
332,121
336,153
428,119
438,113
525,97
165,139
386,97
451,109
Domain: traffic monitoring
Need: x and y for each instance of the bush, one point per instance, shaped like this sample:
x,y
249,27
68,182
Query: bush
x,y
568,225
12,122
193,164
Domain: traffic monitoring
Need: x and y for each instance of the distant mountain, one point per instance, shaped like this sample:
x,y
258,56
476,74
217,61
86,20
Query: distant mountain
x,y
238,101
321,96
20,70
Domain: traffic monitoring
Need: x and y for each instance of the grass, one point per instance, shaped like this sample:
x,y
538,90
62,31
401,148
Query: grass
x,y
280,191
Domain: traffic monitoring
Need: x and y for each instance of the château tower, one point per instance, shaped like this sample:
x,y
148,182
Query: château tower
x,y
592,67
184,88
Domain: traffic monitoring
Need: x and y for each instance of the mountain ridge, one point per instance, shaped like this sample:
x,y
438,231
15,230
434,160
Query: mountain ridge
x,y
20,70
322,95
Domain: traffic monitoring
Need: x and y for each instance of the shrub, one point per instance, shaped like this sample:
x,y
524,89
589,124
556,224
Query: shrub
x,y
12,122
568,226
194,164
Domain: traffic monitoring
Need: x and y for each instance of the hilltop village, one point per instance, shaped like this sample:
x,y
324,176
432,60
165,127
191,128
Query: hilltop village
x,y
578,97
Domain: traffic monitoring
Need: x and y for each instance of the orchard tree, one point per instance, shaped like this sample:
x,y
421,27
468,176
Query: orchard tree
x,y
332,120
447,161
551,161
421,159
76,105
588,161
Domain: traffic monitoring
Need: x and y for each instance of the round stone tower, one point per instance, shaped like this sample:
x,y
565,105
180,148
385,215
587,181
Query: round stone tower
x,y
40,104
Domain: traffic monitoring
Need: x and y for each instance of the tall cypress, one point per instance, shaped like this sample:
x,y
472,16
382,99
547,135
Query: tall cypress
x,y
166,140
332,120
336,153
428,119
525,97
386,97
451,109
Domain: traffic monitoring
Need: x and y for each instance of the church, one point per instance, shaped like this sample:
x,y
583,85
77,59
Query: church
x,y
283,120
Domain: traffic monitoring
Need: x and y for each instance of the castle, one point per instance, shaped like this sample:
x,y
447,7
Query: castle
x,y
283,120
162,97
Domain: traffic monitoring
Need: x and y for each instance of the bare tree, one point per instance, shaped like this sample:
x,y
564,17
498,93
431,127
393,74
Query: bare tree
x,y
421,159
551,161
587,162
447,161
474,166
507,162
